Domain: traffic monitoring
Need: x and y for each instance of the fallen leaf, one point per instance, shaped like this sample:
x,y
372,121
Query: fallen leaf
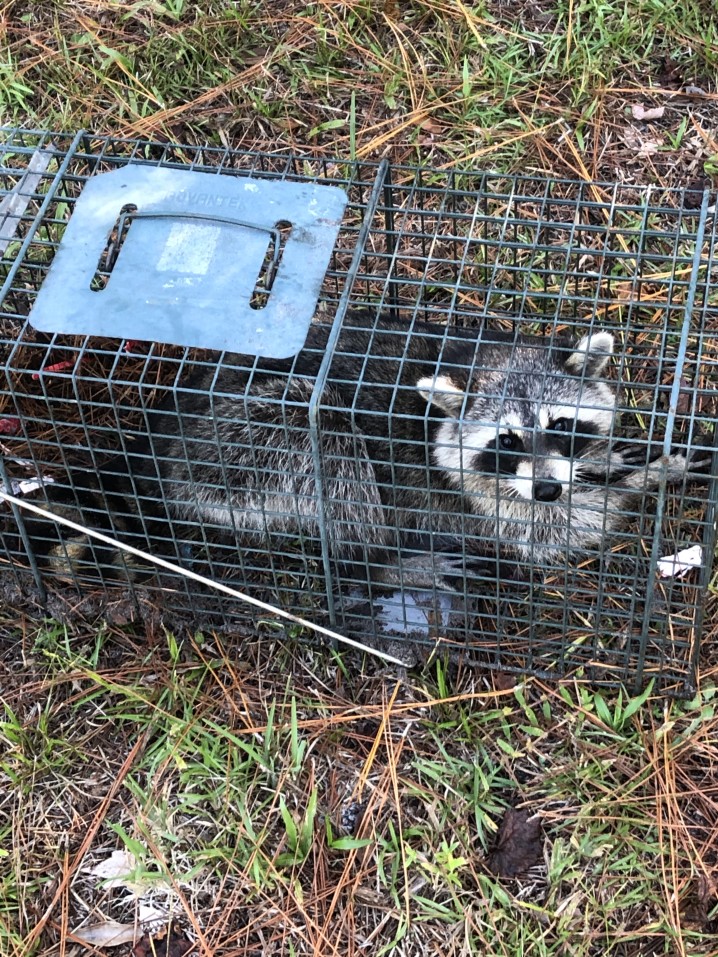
x,y
519,844
432,125
696,906
648,148
148,914
369,897
504,681
652,113
108,933
707,888
116,868
683,405
290,123
120,869
670,76
693,194
634,140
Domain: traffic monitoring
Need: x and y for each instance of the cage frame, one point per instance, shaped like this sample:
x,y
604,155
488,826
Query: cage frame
x,y
381,202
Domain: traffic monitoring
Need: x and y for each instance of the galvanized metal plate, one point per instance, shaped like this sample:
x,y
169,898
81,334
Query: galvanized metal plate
x,y
194,248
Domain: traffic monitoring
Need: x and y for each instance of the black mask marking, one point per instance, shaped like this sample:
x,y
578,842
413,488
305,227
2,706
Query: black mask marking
x,y
499,456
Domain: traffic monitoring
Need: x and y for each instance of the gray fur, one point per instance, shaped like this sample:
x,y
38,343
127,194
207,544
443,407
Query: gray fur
x,y
440,401
408,412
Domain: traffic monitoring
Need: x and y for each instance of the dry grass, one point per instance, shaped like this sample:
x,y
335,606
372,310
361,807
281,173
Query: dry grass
x,y
531,86
224,767
226,780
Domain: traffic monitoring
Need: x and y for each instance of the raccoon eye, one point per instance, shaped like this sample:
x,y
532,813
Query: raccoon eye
x,y
561,425
508,441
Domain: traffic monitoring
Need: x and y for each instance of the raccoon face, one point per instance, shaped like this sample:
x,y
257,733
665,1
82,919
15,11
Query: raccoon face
x,y
532,419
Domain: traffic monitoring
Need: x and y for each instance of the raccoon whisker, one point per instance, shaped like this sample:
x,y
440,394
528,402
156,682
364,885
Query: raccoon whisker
x,y
201,579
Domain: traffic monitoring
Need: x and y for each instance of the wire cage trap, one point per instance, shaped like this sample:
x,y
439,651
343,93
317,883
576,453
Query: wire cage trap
x,y
432,409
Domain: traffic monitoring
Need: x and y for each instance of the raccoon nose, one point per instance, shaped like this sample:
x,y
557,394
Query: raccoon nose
x,y
547,490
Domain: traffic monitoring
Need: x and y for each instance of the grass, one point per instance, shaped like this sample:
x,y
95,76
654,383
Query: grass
x,y
228,772
543,86
226,782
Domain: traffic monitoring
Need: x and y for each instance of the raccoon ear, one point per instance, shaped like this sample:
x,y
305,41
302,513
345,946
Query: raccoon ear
x,y
442,392
591,355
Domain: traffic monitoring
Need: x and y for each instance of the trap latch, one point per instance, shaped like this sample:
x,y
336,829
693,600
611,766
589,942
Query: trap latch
x,y
222,262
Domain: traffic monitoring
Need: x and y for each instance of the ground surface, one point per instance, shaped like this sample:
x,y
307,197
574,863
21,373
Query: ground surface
x,y
272,798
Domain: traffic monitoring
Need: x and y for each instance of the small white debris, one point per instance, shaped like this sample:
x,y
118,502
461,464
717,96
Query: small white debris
x,y
116,868
641,113
678,565
152,918
26,486
111,933
20,487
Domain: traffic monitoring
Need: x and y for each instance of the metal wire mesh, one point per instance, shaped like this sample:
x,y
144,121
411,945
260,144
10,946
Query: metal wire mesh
x,y
329,483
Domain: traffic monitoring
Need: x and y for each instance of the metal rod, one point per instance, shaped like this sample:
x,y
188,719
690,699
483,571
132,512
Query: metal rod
x,y
186,573
17,514
668,438
318,390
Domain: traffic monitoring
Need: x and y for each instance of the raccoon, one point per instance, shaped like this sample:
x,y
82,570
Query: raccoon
x,y
438,448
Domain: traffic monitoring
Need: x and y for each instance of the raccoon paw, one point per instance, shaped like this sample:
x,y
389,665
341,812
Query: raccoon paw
x,y
695,461
458,565
701,459
636,455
